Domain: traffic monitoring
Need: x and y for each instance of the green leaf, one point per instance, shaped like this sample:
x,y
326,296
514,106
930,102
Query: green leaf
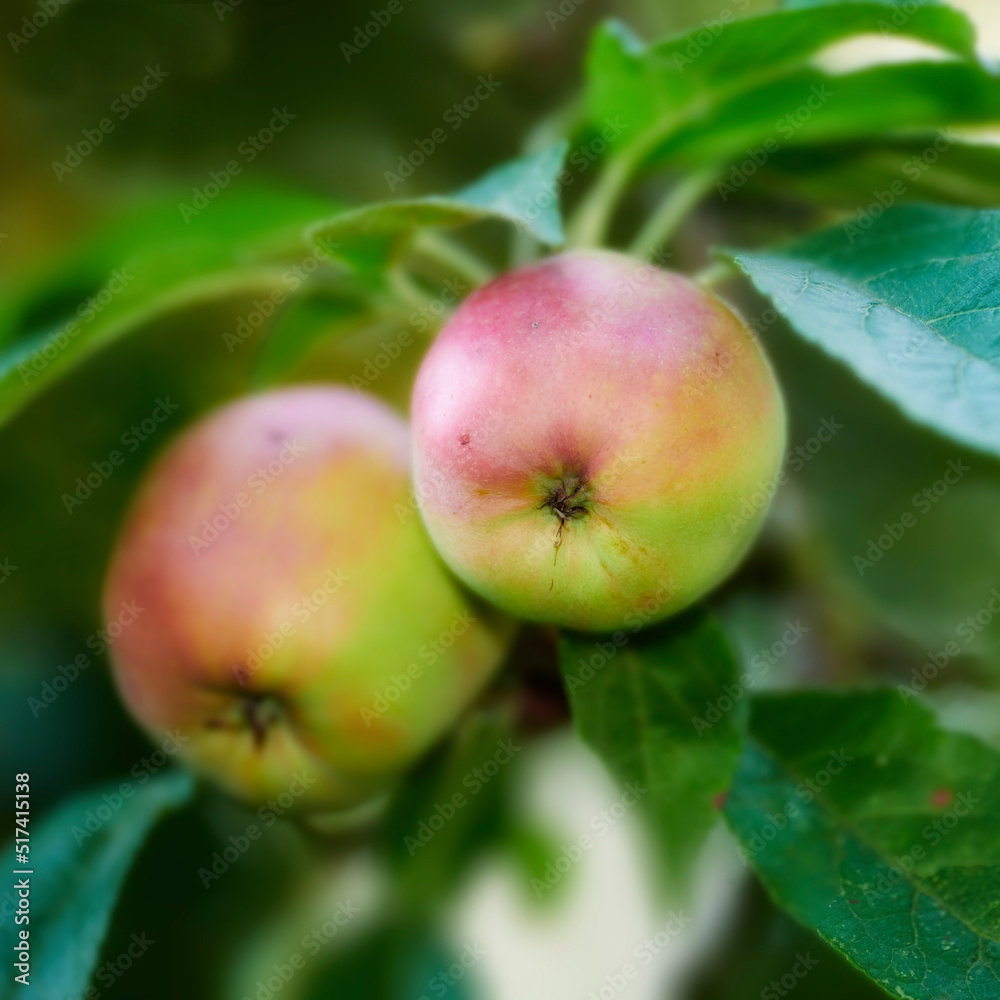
x,y
804,4
872,825
644,702
877,470
809,107
911,303
80,859
450,808
140,270
762,945
851,174
684,80
521,192
399,960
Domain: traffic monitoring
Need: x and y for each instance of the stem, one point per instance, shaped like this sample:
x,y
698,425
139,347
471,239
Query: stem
x,y
405,289
524,248
673,209
715,274
454,256
589,225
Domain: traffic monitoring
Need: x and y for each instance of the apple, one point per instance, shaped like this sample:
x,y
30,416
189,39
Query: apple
x,y
293,627
589,433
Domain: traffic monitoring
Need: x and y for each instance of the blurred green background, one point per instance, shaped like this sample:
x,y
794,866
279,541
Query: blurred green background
x,y
224,67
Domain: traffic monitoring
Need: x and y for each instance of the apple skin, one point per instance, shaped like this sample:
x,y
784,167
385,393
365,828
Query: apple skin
x,y
318,547
587,432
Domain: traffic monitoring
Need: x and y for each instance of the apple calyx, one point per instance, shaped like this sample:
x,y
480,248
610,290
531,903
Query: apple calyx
x,y
569,498
258,712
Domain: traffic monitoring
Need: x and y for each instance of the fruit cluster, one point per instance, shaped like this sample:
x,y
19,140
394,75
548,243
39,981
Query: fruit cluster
x,y
582,428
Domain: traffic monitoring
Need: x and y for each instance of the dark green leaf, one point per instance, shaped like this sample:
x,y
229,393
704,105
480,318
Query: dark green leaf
x,y
450,808
399,961
878,829
809,107
854,174
653,706
657,90
521,192
762,946
804,4
81,853
911,301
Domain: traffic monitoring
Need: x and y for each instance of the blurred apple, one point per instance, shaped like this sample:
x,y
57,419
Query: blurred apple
x,y
294,624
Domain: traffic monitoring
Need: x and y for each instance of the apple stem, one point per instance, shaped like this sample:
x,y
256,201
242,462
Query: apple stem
x,y
254,711
589,225
454,256
715,273
672,210
406,289
255,720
